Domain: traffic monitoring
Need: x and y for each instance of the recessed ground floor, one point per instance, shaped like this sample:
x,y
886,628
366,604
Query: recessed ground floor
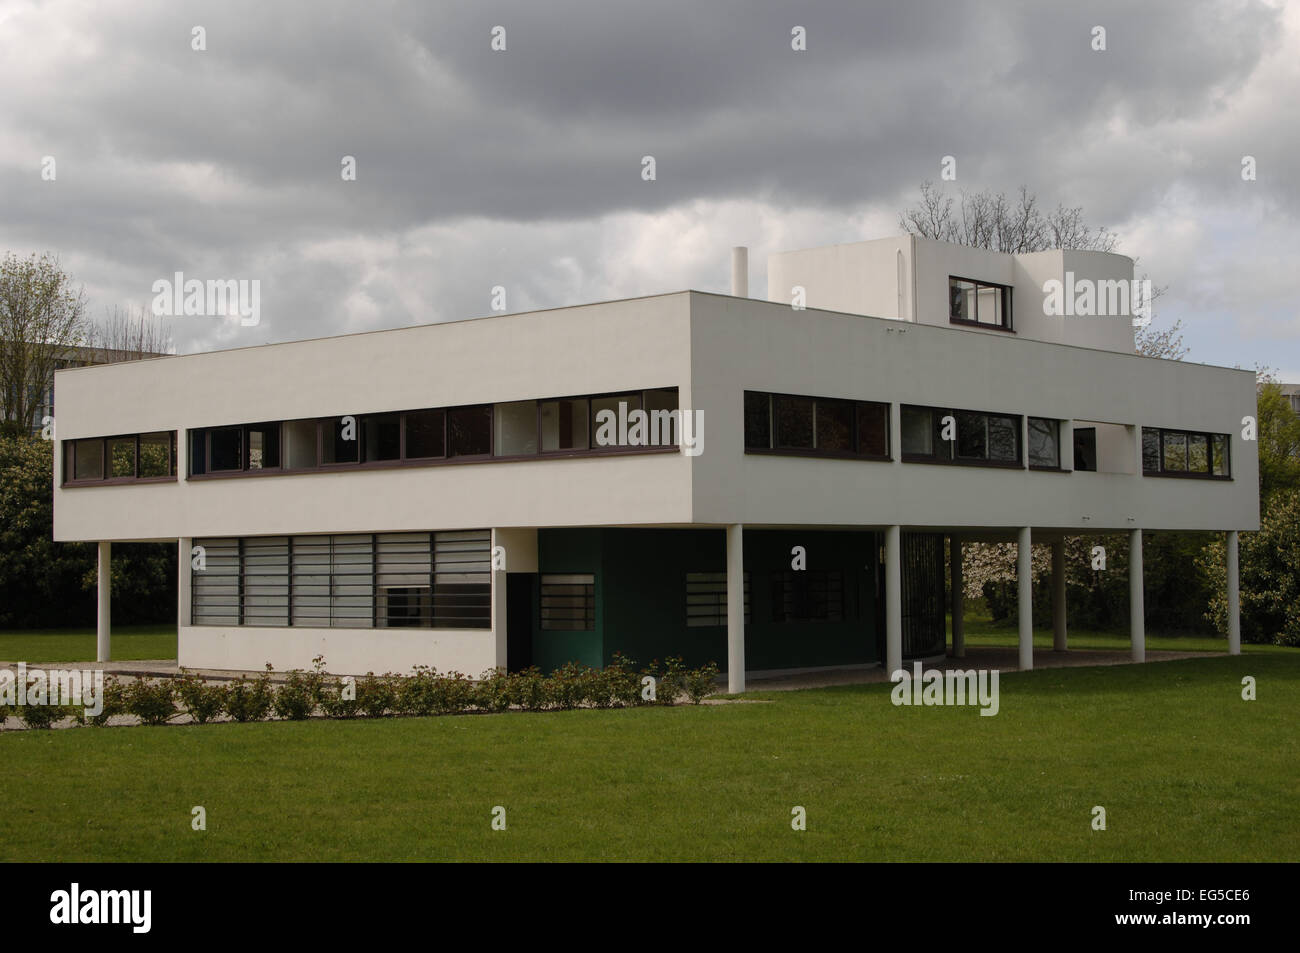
x,y
757,601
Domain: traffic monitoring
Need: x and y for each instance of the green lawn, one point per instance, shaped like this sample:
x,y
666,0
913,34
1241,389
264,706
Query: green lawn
x,y
981,630
130,642
1185,769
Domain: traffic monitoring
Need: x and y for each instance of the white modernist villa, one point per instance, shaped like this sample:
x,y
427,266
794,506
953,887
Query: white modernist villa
x,y
486,493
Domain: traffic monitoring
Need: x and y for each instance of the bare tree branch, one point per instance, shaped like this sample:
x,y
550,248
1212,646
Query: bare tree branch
x,y
131,335
42,318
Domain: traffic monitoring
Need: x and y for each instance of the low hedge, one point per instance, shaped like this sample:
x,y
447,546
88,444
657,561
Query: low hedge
x,y
157,701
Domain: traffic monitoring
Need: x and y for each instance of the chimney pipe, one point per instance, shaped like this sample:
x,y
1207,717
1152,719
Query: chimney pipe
x,y
740,271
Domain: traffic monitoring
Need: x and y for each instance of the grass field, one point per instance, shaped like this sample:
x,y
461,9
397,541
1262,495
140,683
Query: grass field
x,y
159,641
130,642
981,630
1185,768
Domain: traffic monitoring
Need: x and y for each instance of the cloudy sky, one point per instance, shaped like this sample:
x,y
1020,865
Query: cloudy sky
x,y
522,168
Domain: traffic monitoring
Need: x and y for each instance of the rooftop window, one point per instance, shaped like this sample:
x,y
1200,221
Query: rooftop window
x,y
979,303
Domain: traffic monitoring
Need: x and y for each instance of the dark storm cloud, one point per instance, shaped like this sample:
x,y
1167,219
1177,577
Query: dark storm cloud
x,y
228,160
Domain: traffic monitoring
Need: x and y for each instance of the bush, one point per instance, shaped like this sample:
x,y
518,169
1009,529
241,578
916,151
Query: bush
x,y
152,700
376,694
672,682
623,681
114,703
296,698
42,716
492,693
700,682
528,689
204,702
332,698
597,692
428,693
1269,569
453,693
249,699
568,685
416,694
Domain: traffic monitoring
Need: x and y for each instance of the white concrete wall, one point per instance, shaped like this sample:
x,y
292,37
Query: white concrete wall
x,y
936,261
862,278
621,345
712,348
346,651
520,547
1109,332
740,346
1118,448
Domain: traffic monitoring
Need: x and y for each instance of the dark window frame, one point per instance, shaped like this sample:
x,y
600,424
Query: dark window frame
x,y
491,432
1187,474
245,443
593,450
69,450
1056,422
207,449
445,460
1087,435
585,614
717,589
564,451
830,584
1007,324
405,458
858,407
951,459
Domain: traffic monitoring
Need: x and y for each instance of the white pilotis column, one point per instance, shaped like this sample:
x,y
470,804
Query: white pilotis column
x,y
497,599
1234,596
893,599
1058,596
104,621
184,590
1136,607
958,598
1025,606
735,609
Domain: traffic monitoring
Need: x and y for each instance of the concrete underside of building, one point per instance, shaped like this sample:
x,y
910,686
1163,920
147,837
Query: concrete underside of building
x,y
654,593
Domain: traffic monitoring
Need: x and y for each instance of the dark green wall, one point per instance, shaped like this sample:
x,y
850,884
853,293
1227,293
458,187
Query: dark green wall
x,y
570,551
641,600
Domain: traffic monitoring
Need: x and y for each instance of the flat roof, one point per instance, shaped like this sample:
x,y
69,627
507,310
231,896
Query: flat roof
x,y
931,328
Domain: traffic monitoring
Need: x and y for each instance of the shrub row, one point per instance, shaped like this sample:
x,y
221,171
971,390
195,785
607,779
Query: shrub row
x,y
300,695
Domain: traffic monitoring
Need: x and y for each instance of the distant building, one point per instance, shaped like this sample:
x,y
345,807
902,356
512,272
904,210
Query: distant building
x,y
1292,393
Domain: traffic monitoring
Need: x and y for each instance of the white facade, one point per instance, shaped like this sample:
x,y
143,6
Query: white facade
x,y
876,329
906,278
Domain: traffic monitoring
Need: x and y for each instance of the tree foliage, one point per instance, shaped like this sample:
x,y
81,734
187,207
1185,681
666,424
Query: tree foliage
x,y
1269,563
42,317
1278,433
45,583
1166,343
1175,590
